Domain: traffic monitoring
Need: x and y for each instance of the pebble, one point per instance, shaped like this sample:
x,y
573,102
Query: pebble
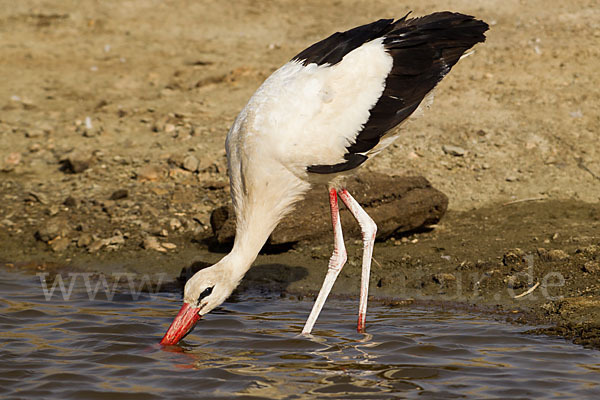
x,y
84,240
97,245
454,150
53,210
191,163
76,162
119,194
513,257
34,133
34,147
174,224
116,239
591,267
169,246
40,197
10,162
557,255
151,243
149,173
51,229
71,202
59,244
443,277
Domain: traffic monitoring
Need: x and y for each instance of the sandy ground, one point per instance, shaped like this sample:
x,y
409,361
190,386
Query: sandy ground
x,y
113,118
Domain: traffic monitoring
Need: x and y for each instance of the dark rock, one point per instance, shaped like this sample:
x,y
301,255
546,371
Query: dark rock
x,y
71,202
119,194
396,204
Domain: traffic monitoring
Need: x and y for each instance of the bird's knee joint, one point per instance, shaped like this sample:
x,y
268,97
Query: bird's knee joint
x,y
369,231
338,259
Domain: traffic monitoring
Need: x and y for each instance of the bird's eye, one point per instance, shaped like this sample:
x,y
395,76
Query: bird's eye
x,y
205,293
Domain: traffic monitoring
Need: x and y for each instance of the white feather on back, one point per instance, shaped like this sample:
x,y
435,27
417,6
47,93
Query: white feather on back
x,y
308,115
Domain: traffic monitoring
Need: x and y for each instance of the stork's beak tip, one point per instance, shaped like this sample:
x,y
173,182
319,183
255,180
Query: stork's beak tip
x,y
183,324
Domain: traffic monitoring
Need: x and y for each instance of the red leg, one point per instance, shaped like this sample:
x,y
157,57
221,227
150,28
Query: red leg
x,y
369,229
336,262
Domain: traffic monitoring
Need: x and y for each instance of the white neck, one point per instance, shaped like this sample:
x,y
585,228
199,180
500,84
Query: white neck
x,y
258,210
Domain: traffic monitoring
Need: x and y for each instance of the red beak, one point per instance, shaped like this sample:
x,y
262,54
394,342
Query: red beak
x,y
183,324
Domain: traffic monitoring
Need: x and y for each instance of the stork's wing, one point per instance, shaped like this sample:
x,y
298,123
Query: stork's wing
x,y
423,51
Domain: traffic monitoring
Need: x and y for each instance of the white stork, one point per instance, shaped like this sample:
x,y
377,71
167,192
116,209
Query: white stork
x,y
314,120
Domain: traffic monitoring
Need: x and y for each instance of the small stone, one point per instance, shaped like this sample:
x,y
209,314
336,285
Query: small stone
x,y
162,233
10,162
71,202
557,255
511,178
51,229
119,194
117,239
443,277
169,128
517,281
97,245
592,251
34,133
40,197
151,243
53,210
169,246
34,147
191,163
76,163
174,224
84,240
150,173
59,244
513,257
591,267
454,150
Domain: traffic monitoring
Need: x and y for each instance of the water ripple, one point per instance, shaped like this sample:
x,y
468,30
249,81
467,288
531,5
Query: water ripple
x,y
250,348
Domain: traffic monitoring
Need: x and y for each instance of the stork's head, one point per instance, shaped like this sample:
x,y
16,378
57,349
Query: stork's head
x,y
207,289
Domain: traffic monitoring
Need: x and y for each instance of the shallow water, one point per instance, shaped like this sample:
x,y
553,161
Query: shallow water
x,y
250,348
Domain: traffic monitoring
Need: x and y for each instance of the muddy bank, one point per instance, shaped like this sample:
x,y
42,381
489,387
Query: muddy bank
x,y
535,262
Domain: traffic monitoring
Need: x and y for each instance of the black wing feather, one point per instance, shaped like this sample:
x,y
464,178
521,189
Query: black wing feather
x,y
332,49
424,50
